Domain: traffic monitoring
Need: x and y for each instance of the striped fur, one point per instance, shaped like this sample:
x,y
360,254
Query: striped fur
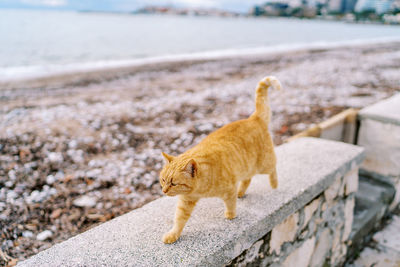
x,y
222,164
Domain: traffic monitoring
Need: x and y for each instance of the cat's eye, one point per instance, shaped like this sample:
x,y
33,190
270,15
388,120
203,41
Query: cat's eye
x,y
172,184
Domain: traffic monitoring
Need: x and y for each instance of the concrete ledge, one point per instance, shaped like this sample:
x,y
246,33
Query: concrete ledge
x,y
306,167
379,133
386,111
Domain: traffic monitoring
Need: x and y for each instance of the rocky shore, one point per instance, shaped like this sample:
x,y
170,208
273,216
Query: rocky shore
x,y
80,150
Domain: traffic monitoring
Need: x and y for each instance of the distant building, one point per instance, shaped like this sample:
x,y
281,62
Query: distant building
x,y
295,3
335,6
392,19
257,11
377,6
276,9
395,6
310,8
383,6
341,6
296,8
365,5
348,6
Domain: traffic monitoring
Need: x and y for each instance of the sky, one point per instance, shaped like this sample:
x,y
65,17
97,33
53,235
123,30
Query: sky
x,y
127,5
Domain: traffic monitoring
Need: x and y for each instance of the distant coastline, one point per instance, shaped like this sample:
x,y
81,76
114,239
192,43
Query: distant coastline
x,y
171,10
357,11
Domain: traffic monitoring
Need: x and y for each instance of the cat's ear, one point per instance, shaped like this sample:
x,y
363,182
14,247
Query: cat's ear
x,y
167,157
191,168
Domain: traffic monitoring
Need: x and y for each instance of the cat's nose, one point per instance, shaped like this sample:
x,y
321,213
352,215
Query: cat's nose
x,y
165,189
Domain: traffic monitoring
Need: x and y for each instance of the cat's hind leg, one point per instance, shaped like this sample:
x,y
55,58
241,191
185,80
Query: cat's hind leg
x,y
243,185
273,179
230,205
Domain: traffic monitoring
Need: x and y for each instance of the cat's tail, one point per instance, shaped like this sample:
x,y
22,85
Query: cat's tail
x,y
262,103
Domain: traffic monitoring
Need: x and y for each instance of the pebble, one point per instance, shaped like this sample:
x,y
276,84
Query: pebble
x,y
11,175
207,127
27,234
50,179
76,155
8,243
56,213
55,157
93,173
39,196
11,195
44,235
85,201
72,144
59,175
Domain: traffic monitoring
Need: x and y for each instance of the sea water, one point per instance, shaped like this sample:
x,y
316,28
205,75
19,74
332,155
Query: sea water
x,y
37,43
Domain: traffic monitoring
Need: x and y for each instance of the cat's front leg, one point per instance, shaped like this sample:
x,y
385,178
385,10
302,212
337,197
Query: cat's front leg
x,y
230,205
182,214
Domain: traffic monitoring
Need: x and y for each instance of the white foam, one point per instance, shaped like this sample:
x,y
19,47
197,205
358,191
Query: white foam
x,y
40,71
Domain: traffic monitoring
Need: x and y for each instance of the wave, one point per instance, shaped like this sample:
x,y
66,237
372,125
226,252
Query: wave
x,y
43,71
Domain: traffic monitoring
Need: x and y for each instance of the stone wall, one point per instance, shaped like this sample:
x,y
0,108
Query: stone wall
x,y
315,235
308,219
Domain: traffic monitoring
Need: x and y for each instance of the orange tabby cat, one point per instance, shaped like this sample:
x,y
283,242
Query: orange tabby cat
x,y
230,156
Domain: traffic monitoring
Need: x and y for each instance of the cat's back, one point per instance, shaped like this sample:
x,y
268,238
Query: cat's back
x,y
239,148
248,133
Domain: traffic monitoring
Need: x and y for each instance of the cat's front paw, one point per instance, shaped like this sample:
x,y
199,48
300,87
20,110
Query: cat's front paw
x,y
230,214
170,237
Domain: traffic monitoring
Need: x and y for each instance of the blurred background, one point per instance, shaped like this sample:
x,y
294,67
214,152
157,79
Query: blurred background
x,y
92,91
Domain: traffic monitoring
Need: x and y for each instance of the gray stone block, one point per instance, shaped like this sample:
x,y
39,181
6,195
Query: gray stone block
x,y
306,167
379,134
387,111
382,146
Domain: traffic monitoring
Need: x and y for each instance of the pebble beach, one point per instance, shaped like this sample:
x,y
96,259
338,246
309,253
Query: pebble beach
x,y
77,150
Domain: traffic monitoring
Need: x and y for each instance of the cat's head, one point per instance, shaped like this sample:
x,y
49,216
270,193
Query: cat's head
x,y
178,176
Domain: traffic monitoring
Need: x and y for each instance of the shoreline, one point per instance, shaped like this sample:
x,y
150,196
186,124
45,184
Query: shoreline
x,y
70,74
